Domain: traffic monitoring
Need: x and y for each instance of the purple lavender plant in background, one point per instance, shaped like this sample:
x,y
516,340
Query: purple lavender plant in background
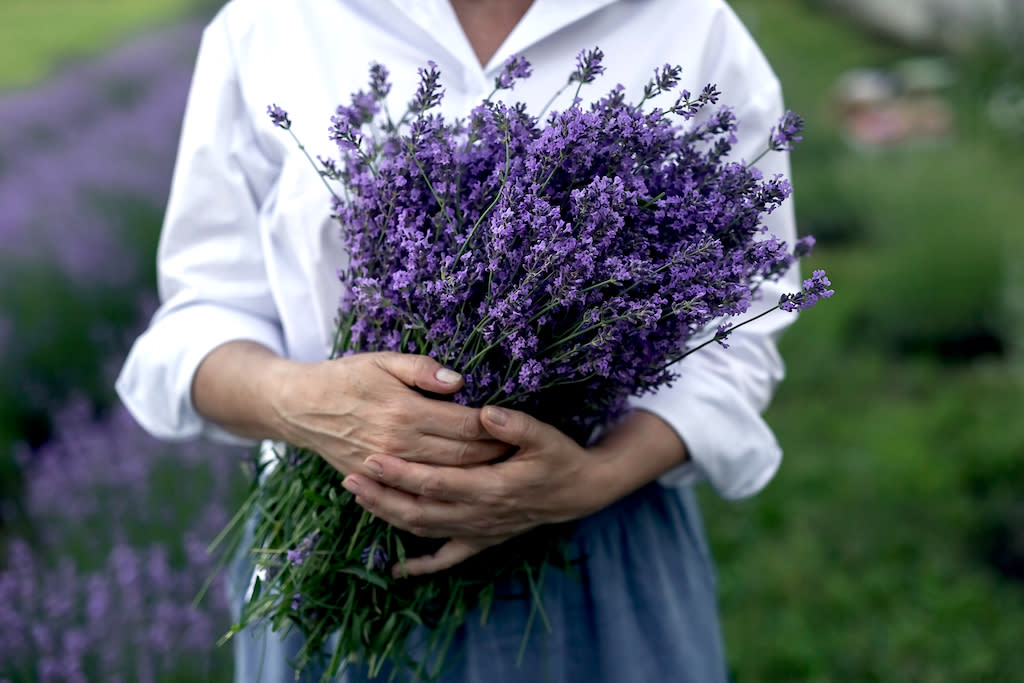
x,y
100,585
85,166
75,147
104,591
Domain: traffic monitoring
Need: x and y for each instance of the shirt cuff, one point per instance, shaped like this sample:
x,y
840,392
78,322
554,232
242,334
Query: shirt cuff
x,y
727,441
155,383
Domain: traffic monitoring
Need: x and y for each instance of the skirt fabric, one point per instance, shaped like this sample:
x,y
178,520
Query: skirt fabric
x,y
641,608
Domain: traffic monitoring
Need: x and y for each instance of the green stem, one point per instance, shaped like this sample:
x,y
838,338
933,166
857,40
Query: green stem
x,y
314,165
731,330
553,98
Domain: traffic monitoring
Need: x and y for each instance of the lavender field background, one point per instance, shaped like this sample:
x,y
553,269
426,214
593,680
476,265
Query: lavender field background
x,y
103,531
890,546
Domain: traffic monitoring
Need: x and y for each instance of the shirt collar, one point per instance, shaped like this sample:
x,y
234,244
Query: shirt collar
x,y
543,19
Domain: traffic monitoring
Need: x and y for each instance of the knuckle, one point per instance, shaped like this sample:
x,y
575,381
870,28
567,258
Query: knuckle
x,y
497,495
424,365
389,443
433,487
464,454
483,525
414,519
469,426
395,413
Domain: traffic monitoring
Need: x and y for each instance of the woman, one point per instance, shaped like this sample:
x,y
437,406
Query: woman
x,y
247,265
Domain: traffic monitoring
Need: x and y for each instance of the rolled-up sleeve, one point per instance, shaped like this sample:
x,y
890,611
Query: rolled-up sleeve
x,y
715,405
212,275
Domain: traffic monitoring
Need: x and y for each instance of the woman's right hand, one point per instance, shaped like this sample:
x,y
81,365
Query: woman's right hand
x,y
345,409
353,407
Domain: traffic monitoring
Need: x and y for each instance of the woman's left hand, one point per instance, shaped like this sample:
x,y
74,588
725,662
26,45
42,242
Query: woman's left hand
x,y
550,479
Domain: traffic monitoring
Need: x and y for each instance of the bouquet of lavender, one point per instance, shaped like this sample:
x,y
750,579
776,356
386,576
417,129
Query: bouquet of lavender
x,y
568,260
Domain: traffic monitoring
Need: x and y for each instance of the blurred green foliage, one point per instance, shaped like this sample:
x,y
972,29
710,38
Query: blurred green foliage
x,y
890,545
39,36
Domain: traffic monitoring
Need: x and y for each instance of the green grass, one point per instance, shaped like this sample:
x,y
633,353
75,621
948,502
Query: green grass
x,y
39,36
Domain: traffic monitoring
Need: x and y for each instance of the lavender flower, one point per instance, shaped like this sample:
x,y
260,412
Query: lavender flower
x,y
515,67
787,133
379,85
119,557
279,117
301,553
429,93
69,155
814,288
588,66
803,246
374,557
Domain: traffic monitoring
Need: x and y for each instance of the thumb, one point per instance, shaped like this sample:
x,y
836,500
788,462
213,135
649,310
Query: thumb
x,y
420,371
512,426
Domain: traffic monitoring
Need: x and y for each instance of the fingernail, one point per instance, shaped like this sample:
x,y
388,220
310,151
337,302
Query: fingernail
x,y
497,415
374,466
446,376
351,485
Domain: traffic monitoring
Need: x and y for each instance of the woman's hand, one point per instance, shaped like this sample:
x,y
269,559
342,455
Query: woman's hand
x,y
549,479
345,409
364,405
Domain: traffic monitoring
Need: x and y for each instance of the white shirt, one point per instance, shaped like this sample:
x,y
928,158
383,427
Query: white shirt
x,y
249,251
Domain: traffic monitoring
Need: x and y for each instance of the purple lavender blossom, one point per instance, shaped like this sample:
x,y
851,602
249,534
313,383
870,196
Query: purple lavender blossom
x,y
515,67
588,66
803,246
374,557
786,133
429,93
379,84
279,117
119,557
70,154
298,555
815,288
452,260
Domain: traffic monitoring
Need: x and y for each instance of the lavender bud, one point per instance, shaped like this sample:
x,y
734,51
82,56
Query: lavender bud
x,y
515,68
815,288
279,117
588,66
803,246
302,551
429,92
379,84
787,133
374,557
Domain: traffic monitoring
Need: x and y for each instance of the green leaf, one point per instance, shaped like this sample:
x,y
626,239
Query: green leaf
x,y
368,576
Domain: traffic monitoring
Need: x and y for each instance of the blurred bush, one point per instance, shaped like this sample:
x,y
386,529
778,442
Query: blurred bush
x,y
935,286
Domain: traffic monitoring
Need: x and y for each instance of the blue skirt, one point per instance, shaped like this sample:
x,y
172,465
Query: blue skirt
x,y
642,607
